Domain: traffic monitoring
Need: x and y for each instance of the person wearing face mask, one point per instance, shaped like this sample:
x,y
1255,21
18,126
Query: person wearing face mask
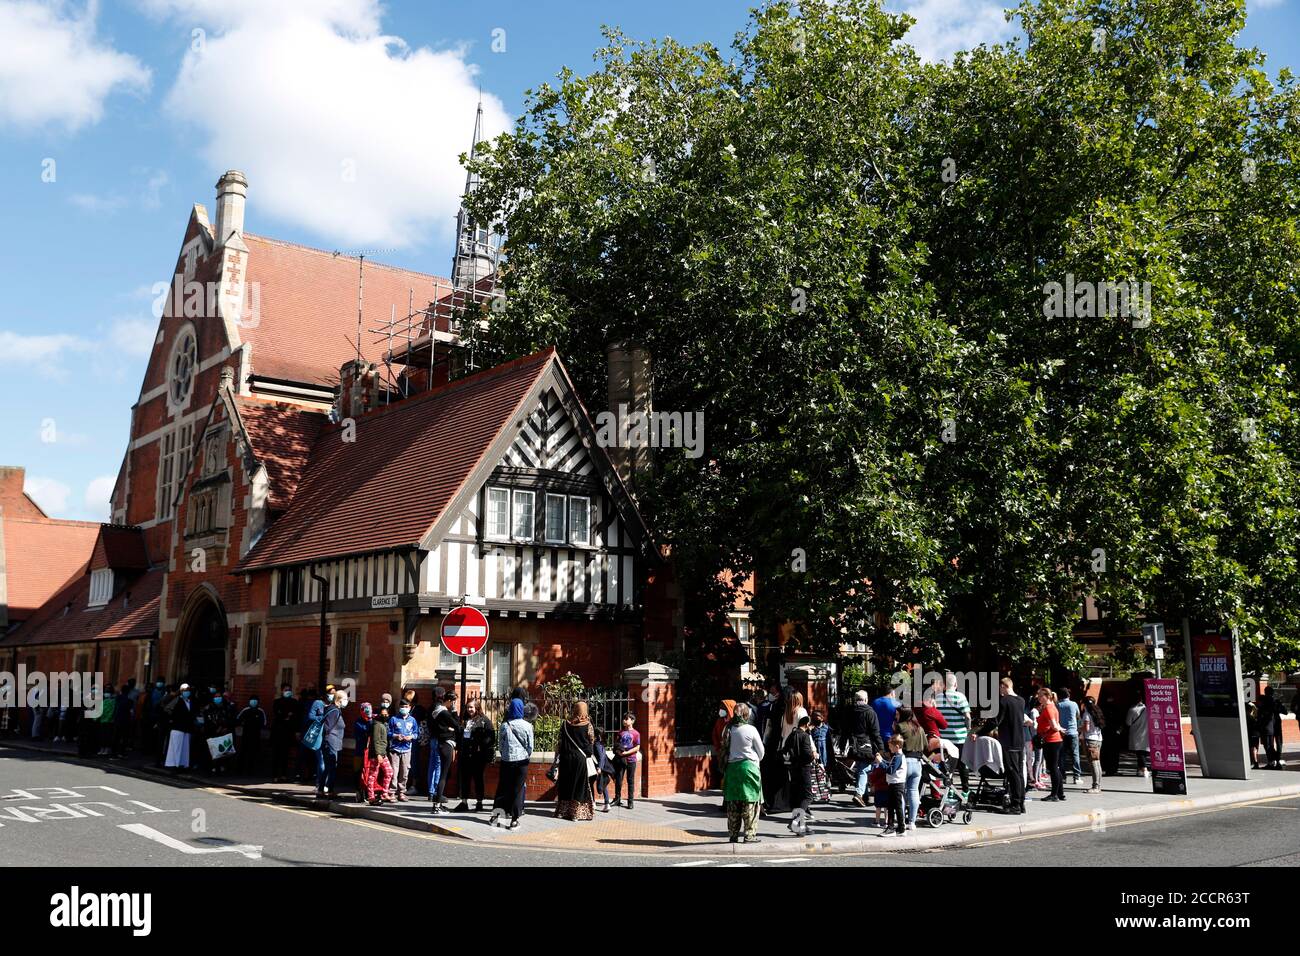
x,y
402,731
251,721
285,717
217,724
331,745
180,720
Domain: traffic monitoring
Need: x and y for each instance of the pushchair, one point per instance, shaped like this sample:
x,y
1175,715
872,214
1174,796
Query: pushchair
x,y
993,792
842,775
941,802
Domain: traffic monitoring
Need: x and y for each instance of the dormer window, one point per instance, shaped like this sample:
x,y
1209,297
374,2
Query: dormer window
x,y
101,587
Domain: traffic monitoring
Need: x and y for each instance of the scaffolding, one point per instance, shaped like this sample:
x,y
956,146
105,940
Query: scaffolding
x,y
443,334
446,331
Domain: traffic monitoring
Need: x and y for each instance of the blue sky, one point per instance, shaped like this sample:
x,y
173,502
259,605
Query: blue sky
x,y
115,118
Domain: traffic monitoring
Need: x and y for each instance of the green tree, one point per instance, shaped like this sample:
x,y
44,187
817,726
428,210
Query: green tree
x,y
839,254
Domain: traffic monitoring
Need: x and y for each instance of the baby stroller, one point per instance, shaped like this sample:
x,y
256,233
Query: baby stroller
x,y
940,800
841,773
993,793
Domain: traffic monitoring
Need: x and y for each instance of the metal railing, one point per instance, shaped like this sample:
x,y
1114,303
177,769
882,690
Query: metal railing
x,y
605,708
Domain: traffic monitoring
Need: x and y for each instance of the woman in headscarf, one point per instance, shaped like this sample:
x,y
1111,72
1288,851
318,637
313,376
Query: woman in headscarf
x,y
515,744
577,743
726,711
742,784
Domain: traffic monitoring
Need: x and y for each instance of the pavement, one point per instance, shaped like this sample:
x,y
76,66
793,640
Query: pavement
x,y
694,824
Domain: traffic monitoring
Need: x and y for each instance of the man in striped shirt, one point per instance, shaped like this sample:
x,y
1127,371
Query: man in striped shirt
x,y
955,708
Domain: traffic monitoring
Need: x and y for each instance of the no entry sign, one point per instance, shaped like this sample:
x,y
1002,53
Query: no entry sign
x,y
464,631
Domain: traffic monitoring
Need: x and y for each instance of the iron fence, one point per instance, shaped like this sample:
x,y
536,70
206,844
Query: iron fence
x,y
548,711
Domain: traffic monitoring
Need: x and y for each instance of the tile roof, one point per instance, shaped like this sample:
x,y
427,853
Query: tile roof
x,y
131,613
307,303
407,463
41,556
281,437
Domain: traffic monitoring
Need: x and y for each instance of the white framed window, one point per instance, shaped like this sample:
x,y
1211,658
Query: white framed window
x,y
348,660
253,644
448,660
498,513
101,587
579,520
166,468
173,466
498,675
555,520
522,526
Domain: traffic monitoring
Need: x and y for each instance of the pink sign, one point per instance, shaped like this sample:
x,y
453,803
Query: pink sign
x,y
1165,736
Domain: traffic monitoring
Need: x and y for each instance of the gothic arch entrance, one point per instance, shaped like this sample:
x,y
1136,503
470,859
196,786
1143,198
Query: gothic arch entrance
x,y
202,641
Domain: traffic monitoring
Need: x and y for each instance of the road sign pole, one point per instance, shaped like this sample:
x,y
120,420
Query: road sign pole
x,y
464,679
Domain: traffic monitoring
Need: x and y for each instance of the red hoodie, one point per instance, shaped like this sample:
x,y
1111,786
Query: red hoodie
x,y
931,721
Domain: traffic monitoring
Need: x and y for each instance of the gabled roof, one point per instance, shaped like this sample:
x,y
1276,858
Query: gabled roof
x,y
307,304
281,438
407,464
120,548
132,613
41,556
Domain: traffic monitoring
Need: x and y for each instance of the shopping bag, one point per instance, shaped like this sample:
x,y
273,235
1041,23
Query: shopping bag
x,y
223,746
311,737
821,784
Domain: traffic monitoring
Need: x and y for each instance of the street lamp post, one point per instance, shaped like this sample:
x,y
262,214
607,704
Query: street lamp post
x,y
324,629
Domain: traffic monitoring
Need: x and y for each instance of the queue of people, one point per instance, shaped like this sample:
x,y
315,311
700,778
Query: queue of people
x,y
774,756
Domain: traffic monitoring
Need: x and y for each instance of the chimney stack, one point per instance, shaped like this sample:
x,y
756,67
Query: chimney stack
x,y
232,191
358,389
627,366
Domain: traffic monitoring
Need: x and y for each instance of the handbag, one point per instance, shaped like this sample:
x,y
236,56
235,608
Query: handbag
x,y
222,746
821,784
312,736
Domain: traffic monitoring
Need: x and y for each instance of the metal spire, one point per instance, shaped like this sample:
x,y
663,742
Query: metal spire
x,y
476,255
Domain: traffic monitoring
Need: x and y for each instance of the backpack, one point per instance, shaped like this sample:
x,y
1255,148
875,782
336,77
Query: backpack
x,y
860,747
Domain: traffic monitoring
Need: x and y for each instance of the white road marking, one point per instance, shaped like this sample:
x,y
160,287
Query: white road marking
x,y
695,863
244,849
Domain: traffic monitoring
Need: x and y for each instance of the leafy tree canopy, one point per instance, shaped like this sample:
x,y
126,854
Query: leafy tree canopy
x,y
844,256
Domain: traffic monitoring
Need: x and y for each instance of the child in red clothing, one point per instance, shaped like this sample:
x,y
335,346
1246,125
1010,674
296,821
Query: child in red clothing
x,y
376,771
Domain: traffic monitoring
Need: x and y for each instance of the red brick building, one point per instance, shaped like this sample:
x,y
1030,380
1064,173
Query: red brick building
x,y
281,452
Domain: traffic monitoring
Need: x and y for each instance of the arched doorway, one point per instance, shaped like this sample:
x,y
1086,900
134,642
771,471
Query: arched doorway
x,y
202,641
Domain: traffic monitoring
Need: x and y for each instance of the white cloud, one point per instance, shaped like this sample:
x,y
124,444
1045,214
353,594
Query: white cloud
x,y
944,26
133,337
98,495
51,495
153,187
54,70
38,350
97,205
341,130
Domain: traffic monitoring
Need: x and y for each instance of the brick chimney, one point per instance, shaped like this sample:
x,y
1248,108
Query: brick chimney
x,y
232,191
628,369
13,501
358,389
